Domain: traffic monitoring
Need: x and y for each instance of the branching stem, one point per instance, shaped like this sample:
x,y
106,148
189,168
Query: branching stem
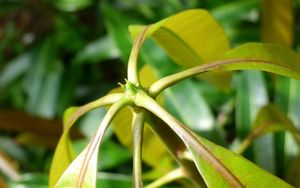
x,y
191,142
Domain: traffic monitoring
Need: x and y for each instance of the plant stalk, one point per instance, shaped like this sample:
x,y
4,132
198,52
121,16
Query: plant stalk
x,y
132,72
138,121
169,177
191,142
160,85
96,140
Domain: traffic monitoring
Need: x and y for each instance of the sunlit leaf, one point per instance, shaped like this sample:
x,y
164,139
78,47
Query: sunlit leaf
x,y
84,168
218,166
64,153
278,27
266,57
71,177
244,172
182,44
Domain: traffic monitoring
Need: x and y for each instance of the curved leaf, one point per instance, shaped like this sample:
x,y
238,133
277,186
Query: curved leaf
x,y
271,58
251,96
250,56
218,166
269,119
246,172
64,153
182,44
83,170
71,175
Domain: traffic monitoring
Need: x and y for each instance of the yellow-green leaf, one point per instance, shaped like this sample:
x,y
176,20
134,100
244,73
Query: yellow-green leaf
x,y
245,172
269,119
70,177
218,166
266,57
190,38
278,22
64,154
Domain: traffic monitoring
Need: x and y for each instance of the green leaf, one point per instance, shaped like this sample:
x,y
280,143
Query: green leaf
x,y
182,44
269,119
113,154
111,180
251,96
278,27
248,174
116,24
218,166
96,51
71,176
71,5
15,69
266,57
195,111
64,153
288,99
31,180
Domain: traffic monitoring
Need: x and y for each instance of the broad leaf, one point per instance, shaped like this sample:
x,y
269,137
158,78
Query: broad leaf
x,y
64,153
266,57
269,119
182,44
194,112
84,168
218,166
278,27
245,172
71,177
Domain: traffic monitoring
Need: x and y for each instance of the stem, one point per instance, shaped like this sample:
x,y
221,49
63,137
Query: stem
x,y
95,142
170,177
251,137
191,142
168,81
132,72
138,121
177,148
103,101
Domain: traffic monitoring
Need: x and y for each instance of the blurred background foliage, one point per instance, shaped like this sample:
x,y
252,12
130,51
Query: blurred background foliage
x,y
57,54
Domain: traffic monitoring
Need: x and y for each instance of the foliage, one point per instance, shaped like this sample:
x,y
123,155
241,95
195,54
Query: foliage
x,y
57,54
